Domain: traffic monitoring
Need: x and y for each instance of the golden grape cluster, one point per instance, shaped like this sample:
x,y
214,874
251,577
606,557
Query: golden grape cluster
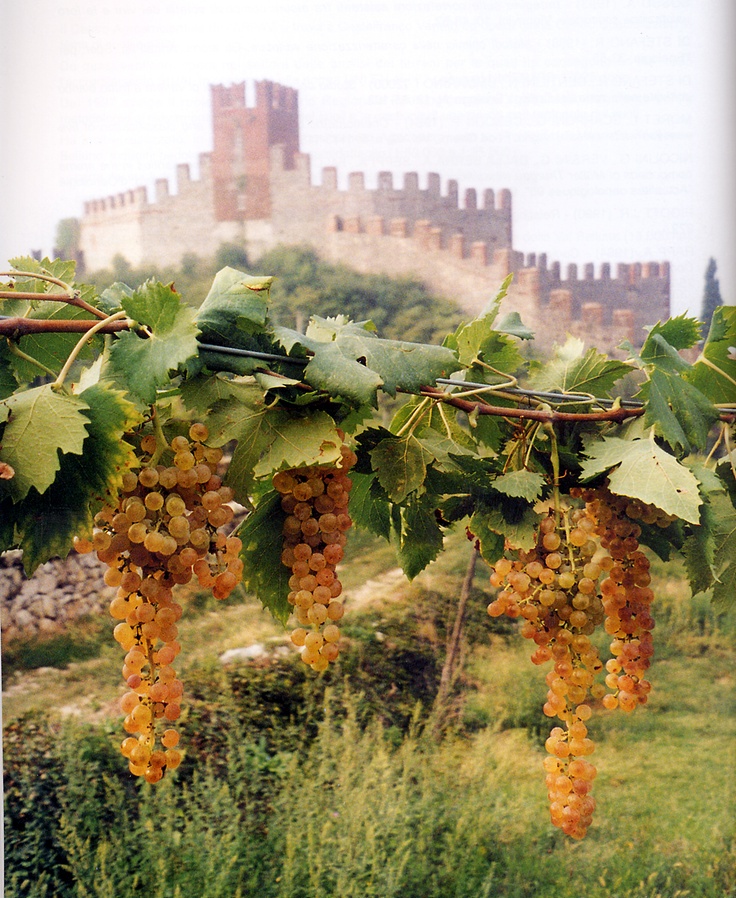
x,y
164,530
315,501
585,570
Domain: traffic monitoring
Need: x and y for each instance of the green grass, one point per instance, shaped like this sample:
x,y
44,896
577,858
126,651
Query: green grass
x,y
356,810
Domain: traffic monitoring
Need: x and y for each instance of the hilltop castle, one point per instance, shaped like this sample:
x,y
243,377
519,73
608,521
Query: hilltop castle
x,y
255,189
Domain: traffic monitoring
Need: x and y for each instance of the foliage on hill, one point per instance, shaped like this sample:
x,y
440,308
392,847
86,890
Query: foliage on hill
x,y
401,308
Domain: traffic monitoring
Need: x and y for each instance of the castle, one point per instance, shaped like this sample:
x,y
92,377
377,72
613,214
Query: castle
x,y
255,189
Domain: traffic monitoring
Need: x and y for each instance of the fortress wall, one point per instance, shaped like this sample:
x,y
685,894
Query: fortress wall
x,y
298,207
112,225
643,289
385,247
184,221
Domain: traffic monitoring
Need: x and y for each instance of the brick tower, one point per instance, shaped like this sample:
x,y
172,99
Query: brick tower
x,y
242,140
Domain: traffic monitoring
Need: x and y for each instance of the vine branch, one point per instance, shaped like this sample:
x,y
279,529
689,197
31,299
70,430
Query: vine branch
x,y
21,327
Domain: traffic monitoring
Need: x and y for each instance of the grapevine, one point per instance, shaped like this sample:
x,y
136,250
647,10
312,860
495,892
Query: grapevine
x,y
133,425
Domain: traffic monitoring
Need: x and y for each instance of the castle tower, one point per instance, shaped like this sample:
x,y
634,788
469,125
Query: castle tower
x,y
242,140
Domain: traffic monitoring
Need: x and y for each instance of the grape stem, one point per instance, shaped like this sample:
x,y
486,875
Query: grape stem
x,y
555,459
59,382
17,351
72,297
161,441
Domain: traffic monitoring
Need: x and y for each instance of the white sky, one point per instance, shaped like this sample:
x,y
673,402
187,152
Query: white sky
x,y
609,121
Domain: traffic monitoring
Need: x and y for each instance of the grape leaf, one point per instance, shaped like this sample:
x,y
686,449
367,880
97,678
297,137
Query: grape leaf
x,y
48,349
111,299
335,369
48,523
236,302
368,505
677,410
268,439
681,332
144,364
8,383
480,339
520,484
491,542
43,423
62,269
724,555
640,469
400,464
349,361
263,573
698,551
714,372
571,371
420,537
515,521
513,325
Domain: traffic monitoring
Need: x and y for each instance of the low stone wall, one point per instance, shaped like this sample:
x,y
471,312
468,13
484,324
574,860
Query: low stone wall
x,y
59,591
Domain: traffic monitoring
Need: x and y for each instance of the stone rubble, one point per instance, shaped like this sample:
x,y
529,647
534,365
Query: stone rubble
x,y
59,591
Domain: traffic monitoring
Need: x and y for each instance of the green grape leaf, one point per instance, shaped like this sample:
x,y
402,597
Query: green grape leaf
x,y
62,269
724,554
480,339
202,394
368,505
572,370
49,350
640,469
236,302
42,424
515,520
349,361
677,410
400,464
520,484
490,541
268,439
681,332
714,372
263,573
335,370
144,364
8,383
48,523
698,552
111,299
513,325
420,537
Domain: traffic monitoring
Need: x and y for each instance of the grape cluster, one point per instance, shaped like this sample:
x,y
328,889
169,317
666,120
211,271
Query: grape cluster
x,y
164,530
627,596
315,501
554,589
586,570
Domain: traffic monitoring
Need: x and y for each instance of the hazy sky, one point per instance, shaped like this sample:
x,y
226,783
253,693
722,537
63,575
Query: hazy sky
x,y
609,121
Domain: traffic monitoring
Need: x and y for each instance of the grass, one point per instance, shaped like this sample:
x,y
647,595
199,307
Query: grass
x,y
359,811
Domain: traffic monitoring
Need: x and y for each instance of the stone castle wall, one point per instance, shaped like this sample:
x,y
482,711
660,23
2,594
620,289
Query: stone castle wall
x,y
256,189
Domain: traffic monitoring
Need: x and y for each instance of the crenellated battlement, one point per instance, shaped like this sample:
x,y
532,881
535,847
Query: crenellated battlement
x,y
255,188
268,95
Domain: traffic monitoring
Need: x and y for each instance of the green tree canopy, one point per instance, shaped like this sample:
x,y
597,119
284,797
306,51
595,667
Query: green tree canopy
x,y
711,295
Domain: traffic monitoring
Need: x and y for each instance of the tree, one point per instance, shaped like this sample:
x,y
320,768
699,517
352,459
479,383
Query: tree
x,y
711,295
